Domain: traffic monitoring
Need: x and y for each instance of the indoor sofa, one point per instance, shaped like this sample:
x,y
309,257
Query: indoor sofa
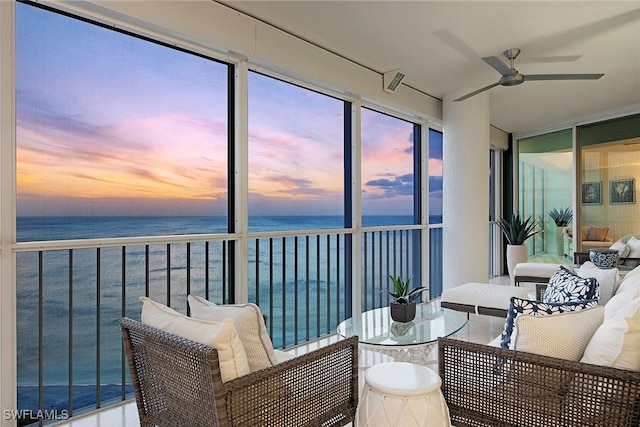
x,y
590,238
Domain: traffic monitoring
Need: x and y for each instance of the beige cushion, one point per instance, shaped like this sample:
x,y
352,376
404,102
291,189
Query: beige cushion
x,y
564,335
249,322
219,335
616,343
606,279
598,234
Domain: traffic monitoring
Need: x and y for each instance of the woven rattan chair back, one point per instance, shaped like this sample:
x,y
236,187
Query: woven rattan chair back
x,y
177,382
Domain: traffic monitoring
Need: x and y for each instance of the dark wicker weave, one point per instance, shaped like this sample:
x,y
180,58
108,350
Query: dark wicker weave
x,y
177,383
530,279
488,386
466,308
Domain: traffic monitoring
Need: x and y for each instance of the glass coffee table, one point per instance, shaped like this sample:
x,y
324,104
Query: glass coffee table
x,y
404,342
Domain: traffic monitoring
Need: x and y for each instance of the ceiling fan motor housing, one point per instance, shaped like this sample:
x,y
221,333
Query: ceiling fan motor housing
x,y
512,80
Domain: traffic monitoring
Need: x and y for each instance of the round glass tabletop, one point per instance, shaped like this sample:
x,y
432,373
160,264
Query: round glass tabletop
x,y
377,328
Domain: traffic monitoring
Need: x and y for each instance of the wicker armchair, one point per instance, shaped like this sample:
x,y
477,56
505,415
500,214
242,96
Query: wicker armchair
x,y
177,383
488,386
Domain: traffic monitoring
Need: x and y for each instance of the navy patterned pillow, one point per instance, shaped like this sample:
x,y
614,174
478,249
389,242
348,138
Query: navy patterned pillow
x,y
565,286
520,306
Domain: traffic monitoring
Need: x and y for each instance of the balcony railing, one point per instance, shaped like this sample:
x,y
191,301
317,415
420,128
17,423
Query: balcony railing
x,y
71,295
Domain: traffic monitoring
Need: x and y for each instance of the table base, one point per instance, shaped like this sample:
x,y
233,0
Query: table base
x,y
421,354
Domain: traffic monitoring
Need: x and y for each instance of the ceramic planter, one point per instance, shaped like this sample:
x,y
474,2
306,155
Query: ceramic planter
x,y
403,312
515,255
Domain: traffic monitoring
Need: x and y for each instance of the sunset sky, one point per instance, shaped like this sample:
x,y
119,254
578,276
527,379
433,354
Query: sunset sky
x,y
110,124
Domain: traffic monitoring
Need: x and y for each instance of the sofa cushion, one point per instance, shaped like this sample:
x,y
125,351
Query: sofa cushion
x,y
616,343
622,297
249,323
564,335
566,286
597,234
484,295
219,335
634,247
606,277
622,248
520,307
630,280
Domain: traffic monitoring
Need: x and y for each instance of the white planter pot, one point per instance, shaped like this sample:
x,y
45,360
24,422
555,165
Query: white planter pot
x,y
515,255
559,237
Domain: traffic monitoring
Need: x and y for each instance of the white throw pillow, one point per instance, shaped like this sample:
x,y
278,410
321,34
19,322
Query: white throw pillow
x,y
619,300
631,280
616,343
606,277
219,335
564,335
622,248
634,247
249,323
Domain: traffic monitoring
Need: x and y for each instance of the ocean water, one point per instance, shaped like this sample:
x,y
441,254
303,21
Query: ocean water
x,y
110,302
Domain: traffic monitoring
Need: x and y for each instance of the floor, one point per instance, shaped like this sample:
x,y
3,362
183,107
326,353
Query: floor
x,y
480,329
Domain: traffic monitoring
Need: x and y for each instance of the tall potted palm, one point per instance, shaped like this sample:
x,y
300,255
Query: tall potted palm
x,y
516,231
561,218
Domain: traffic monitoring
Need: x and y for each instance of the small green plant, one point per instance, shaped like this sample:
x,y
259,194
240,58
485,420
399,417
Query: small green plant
x,y
401,293
561,217
517,229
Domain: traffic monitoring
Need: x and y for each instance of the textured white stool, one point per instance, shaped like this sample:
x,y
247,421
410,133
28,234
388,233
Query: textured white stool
x,y
402,394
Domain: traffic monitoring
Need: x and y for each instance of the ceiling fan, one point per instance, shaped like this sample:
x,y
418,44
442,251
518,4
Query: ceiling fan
x,y
512,77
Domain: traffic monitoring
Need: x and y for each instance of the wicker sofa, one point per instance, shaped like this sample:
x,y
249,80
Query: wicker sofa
x,y
490,386
486,385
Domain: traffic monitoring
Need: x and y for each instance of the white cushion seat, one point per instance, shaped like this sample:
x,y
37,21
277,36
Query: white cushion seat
x,y
479,295
540,270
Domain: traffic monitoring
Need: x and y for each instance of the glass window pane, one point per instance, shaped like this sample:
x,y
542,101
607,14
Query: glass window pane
x,y
296,157
546,170
435,177
387,169
111,125
609,173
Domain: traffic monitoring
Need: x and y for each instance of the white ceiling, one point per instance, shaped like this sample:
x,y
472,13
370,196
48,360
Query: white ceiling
x,y
439,45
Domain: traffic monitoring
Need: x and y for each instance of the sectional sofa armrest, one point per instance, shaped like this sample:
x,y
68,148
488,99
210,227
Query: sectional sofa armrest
x,y
489,386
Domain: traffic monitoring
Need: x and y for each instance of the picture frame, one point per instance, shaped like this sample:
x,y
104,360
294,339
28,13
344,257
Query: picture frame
x,y
622,191
592,193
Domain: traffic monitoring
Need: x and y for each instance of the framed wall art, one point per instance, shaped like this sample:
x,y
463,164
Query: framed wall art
x,y
592,193
622,191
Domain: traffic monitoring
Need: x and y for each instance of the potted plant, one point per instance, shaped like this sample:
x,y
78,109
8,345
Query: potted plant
x,y
516,231
562,218
403,308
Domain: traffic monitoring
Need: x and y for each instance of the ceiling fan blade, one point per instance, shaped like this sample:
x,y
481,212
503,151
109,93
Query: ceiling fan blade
x,y
532,77
475,92
498,65
548,59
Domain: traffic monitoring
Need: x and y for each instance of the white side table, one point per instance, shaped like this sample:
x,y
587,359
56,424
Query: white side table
x,y
402,394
